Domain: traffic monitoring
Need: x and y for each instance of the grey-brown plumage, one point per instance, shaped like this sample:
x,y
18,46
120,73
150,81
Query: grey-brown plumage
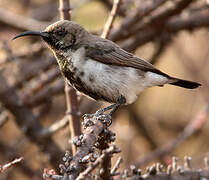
x,y
98,67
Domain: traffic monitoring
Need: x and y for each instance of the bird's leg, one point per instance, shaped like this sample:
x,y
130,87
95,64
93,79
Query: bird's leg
x,y
113,107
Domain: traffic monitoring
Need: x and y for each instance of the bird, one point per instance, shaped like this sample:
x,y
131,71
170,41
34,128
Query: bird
x,y
99,68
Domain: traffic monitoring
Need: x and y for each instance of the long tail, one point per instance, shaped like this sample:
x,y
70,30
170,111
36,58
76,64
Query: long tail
x,y
184,83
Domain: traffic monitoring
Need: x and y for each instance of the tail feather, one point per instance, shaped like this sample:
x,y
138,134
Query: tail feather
x,y
184,83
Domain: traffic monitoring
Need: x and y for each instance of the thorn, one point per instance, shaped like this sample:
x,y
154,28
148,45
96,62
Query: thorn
x,y
187,162
152,170
180,170
174,163
159,167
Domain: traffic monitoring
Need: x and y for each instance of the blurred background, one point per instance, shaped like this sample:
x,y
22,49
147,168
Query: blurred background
x,y
174,36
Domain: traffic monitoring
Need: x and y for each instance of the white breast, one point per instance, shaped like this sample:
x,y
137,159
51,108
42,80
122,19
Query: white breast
x,y
114,81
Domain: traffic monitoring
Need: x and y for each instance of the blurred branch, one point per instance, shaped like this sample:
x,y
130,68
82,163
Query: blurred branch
x,y
194,71
10,164
70,93
139,13
20,22
141,127
158,19
162,44
3,117
44,79
122,10
27,122
45,94
58,125
111,18
9,152
190,22
195,125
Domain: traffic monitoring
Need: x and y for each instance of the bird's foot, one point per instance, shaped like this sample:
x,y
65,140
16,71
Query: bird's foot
x,y
112,109
100,112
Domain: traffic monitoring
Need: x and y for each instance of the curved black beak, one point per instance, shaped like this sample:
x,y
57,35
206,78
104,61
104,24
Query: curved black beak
x,y
32,33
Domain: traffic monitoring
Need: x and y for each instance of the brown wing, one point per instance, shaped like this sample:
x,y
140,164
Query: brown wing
x,y
107,52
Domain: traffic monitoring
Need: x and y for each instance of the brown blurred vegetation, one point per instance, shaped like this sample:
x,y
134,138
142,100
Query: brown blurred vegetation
x,y
160,114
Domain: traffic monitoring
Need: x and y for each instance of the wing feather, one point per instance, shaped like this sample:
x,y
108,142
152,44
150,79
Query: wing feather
x,y
107,52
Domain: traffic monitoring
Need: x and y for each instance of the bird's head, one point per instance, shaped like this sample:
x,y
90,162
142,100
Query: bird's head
x,y
62,35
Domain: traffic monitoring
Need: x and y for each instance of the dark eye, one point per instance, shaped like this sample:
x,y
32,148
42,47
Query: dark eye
x,y
61,33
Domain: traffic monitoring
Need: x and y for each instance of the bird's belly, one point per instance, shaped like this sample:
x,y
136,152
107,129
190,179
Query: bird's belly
x,y
109,83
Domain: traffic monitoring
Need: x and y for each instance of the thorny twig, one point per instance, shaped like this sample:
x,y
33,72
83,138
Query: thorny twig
x,y
85,143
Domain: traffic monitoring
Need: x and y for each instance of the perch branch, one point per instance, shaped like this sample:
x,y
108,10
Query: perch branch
x,y
92,129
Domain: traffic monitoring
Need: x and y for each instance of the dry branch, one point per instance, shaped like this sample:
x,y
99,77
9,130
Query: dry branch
x,y
157,20
9,152
172,26
70,93
10,164
139,13
108,152
58,125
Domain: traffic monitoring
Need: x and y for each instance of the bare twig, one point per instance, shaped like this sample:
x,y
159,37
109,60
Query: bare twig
x,y
10,152
58,125
158,19
134,18
45,94
111,18
172,26
195,125
112,149
10,164
116,166
70,93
